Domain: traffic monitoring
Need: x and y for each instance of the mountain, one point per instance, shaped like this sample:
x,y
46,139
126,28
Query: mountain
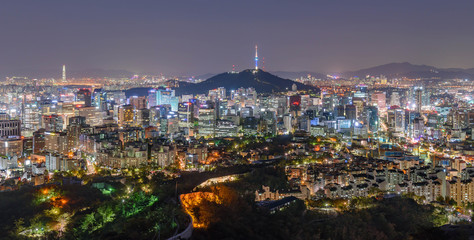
x,y
391,69
262,81
406,69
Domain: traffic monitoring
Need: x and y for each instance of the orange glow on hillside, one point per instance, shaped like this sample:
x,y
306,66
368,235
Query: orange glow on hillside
x,y
191,201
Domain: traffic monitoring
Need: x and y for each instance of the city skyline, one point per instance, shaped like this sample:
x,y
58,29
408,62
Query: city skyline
x,y
219,119
186,38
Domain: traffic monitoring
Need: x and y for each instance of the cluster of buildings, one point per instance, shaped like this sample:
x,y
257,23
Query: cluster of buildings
x,y
61,128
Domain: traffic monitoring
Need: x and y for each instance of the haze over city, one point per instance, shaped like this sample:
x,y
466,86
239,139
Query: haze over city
x,y
198,37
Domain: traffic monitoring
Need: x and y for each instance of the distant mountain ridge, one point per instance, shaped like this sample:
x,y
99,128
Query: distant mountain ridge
x,y
405,69
398,69
262,81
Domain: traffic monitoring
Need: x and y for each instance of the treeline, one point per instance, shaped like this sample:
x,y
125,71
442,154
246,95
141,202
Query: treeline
x,y
396,218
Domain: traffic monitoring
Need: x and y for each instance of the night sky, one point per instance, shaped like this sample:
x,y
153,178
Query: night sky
x,y
197,37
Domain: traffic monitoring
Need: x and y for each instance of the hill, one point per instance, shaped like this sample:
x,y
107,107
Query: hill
x,y
262,81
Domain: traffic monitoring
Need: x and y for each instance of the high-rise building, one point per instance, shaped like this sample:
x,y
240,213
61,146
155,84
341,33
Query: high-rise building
x,y
329,102
31,116
396,120
395,99
418,127
418,99
185,114
74,130
138,102
100,99
151,98
10,128
379,99
84,95
52,123
295,103
64,73
350,112
372,118
38,141
93,116
11,147
288,123
207,121
56,142
143,117
126,115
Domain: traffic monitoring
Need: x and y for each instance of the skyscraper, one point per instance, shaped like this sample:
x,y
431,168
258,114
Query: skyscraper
x,y
64,73
84,95
418,98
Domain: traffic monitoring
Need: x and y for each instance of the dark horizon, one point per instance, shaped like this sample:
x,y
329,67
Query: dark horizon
x,y
189,38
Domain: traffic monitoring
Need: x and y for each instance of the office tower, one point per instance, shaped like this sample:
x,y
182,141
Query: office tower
x,y
226,128
138,102
418,99
74,132
126,115
10,128
379,99
56,142
185,114
359,104
151,98
395,99
143,117
396,120
52,123
38,141
372,118
418,128
295,103
207,121
84,95
31,116
11,147
339,111
218,93
118,97
287,123
329,102
304,123
350,112
100,99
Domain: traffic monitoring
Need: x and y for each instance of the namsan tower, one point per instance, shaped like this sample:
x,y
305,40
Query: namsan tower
x,y
256,57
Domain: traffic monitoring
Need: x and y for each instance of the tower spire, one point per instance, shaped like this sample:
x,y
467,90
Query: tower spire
x,y
256,57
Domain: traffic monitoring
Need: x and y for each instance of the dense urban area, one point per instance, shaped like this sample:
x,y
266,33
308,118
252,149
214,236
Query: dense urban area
x,y
343,158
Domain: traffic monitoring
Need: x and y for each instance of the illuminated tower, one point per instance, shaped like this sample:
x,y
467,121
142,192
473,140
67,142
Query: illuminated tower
x,y
418,98
256,57
64,73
